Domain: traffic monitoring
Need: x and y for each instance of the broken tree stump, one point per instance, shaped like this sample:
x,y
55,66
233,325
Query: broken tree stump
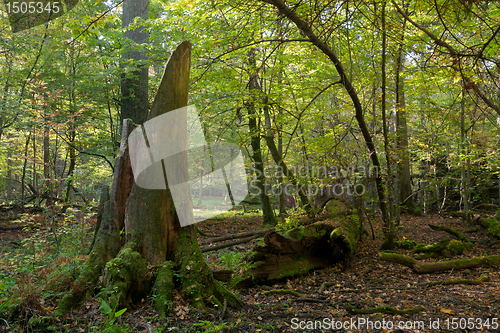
x,y
285,254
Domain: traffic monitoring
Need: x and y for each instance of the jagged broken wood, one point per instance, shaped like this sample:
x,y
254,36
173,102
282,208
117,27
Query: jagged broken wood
x,y
140,246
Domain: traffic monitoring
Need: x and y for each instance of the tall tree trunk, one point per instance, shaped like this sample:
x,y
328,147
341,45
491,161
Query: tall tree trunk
x,y
134,88
404,176
140,241
464,181
389,228
279,160
10,181
34,181
46,160
254,128
25,163
282,208
69,178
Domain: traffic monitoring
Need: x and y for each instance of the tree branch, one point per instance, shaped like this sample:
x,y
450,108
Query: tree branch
x,y
468,82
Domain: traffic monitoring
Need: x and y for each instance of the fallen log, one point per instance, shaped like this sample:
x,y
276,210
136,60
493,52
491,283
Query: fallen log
x,y
235,236
444,247
16,227
225,245
286,254
432,267
492,224
453,232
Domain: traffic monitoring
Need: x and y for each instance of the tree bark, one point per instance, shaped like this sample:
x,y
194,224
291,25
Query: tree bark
x,y
389,224
405,191
254,128
134,88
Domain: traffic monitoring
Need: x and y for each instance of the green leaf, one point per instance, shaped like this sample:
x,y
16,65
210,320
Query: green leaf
x,y
105,308
119,313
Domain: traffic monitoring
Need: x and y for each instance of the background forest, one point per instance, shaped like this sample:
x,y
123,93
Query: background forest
x,y
390,106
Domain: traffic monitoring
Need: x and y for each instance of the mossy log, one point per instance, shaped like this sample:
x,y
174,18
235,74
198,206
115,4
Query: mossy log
x,y
444,247
484,278
432,267
492,224
451,231
286,254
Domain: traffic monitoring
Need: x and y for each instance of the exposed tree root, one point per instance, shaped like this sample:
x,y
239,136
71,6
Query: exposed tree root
x,y
451,282
282,291
384,309
325,285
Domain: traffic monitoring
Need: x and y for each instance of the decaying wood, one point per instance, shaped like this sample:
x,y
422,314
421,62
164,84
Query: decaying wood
x,y
286,254
140,229
226,245
236,236
432,267
16,227
223,274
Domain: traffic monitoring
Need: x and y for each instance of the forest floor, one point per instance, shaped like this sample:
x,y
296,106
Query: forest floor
x,y
366,282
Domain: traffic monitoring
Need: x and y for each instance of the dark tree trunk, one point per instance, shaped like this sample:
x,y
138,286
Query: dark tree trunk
x,y
134,89
140,240
46,162
279,160
405,191
389,224
254,127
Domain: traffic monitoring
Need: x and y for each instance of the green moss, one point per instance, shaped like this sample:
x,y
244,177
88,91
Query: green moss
x,y
163,288
455,247
126,278
88,276
336,233
494,228
197,281
435,247
298,233
398,258
407,244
